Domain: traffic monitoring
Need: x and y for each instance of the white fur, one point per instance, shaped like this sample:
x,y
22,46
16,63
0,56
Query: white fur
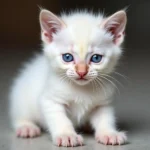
x,y
41,96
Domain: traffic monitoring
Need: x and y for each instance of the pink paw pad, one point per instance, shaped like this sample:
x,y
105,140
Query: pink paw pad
x,y
112,139
69,141
28,131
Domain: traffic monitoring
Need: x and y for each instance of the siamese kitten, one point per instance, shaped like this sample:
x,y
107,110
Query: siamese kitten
x,y
66,86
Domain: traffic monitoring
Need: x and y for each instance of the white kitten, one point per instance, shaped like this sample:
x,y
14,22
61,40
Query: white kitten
x,y
67,85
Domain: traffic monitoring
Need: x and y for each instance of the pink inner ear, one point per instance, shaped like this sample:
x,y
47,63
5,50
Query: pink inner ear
x,y
49,28
116,38
52,29
112,30
115,33
115,25
48,34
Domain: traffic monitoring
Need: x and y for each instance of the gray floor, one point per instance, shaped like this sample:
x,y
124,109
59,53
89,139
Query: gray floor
x,y
132,104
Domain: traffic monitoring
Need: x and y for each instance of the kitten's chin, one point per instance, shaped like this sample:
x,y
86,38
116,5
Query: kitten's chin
x,y
81,82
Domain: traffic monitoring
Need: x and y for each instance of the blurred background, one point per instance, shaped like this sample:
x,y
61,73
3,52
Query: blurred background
x,y
19,24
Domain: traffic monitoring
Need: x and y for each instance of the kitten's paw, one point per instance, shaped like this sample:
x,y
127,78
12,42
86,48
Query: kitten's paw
x,y
111,138
28,131
67,140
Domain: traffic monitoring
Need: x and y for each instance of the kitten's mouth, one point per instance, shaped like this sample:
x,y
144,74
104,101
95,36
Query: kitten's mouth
x,y
82,79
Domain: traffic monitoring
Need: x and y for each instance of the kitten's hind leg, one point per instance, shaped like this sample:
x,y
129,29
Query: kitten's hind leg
x,y
27,129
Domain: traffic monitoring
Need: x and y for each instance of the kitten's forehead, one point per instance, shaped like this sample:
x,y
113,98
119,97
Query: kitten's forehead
x,y
80,32
81,26
81,49
83,32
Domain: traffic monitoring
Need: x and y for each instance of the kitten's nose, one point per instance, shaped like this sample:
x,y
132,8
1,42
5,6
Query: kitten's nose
x,y
81,69
81,74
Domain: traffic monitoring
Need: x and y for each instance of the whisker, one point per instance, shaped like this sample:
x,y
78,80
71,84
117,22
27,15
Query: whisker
x,y
92,85
113,79
96,85
99,81
121,75
111,83
69,81
63,78
62,74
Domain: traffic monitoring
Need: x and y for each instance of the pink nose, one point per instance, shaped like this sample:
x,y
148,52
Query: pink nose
x,y
81,74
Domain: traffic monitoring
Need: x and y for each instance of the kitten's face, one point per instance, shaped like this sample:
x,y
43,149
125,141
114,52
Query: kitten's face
x,y
83,62
82,51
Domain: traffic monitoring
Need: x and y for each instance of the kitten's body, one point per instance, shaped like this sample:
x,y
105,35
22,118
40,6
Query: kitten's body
x,y
36,75
42,96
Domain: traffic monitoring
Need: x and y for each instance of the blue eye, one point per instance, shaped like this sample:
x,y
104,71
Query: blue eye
x,y
67,57
96,58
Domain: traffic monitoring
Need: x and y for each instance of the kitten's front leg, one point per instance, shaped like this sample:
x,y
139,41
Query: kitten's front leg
x,y
59,125
103,121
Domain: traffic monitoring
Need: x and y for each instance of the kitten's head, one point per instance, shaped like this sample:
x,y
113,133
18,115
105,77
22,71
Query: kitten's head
x,y
82,46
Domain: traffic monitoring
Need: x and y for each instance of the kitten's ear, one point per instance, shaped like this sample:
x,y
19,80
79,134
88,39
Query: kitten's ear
x,y
116,24
50,24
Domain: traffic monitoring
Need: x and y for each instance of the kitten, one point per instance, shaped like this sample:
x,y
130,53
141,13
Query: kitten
x,y
66,86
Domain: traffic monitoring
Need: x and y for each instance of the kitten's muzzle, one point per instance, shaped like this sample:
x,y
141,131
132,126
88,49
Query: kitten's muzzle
x,y
81,69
